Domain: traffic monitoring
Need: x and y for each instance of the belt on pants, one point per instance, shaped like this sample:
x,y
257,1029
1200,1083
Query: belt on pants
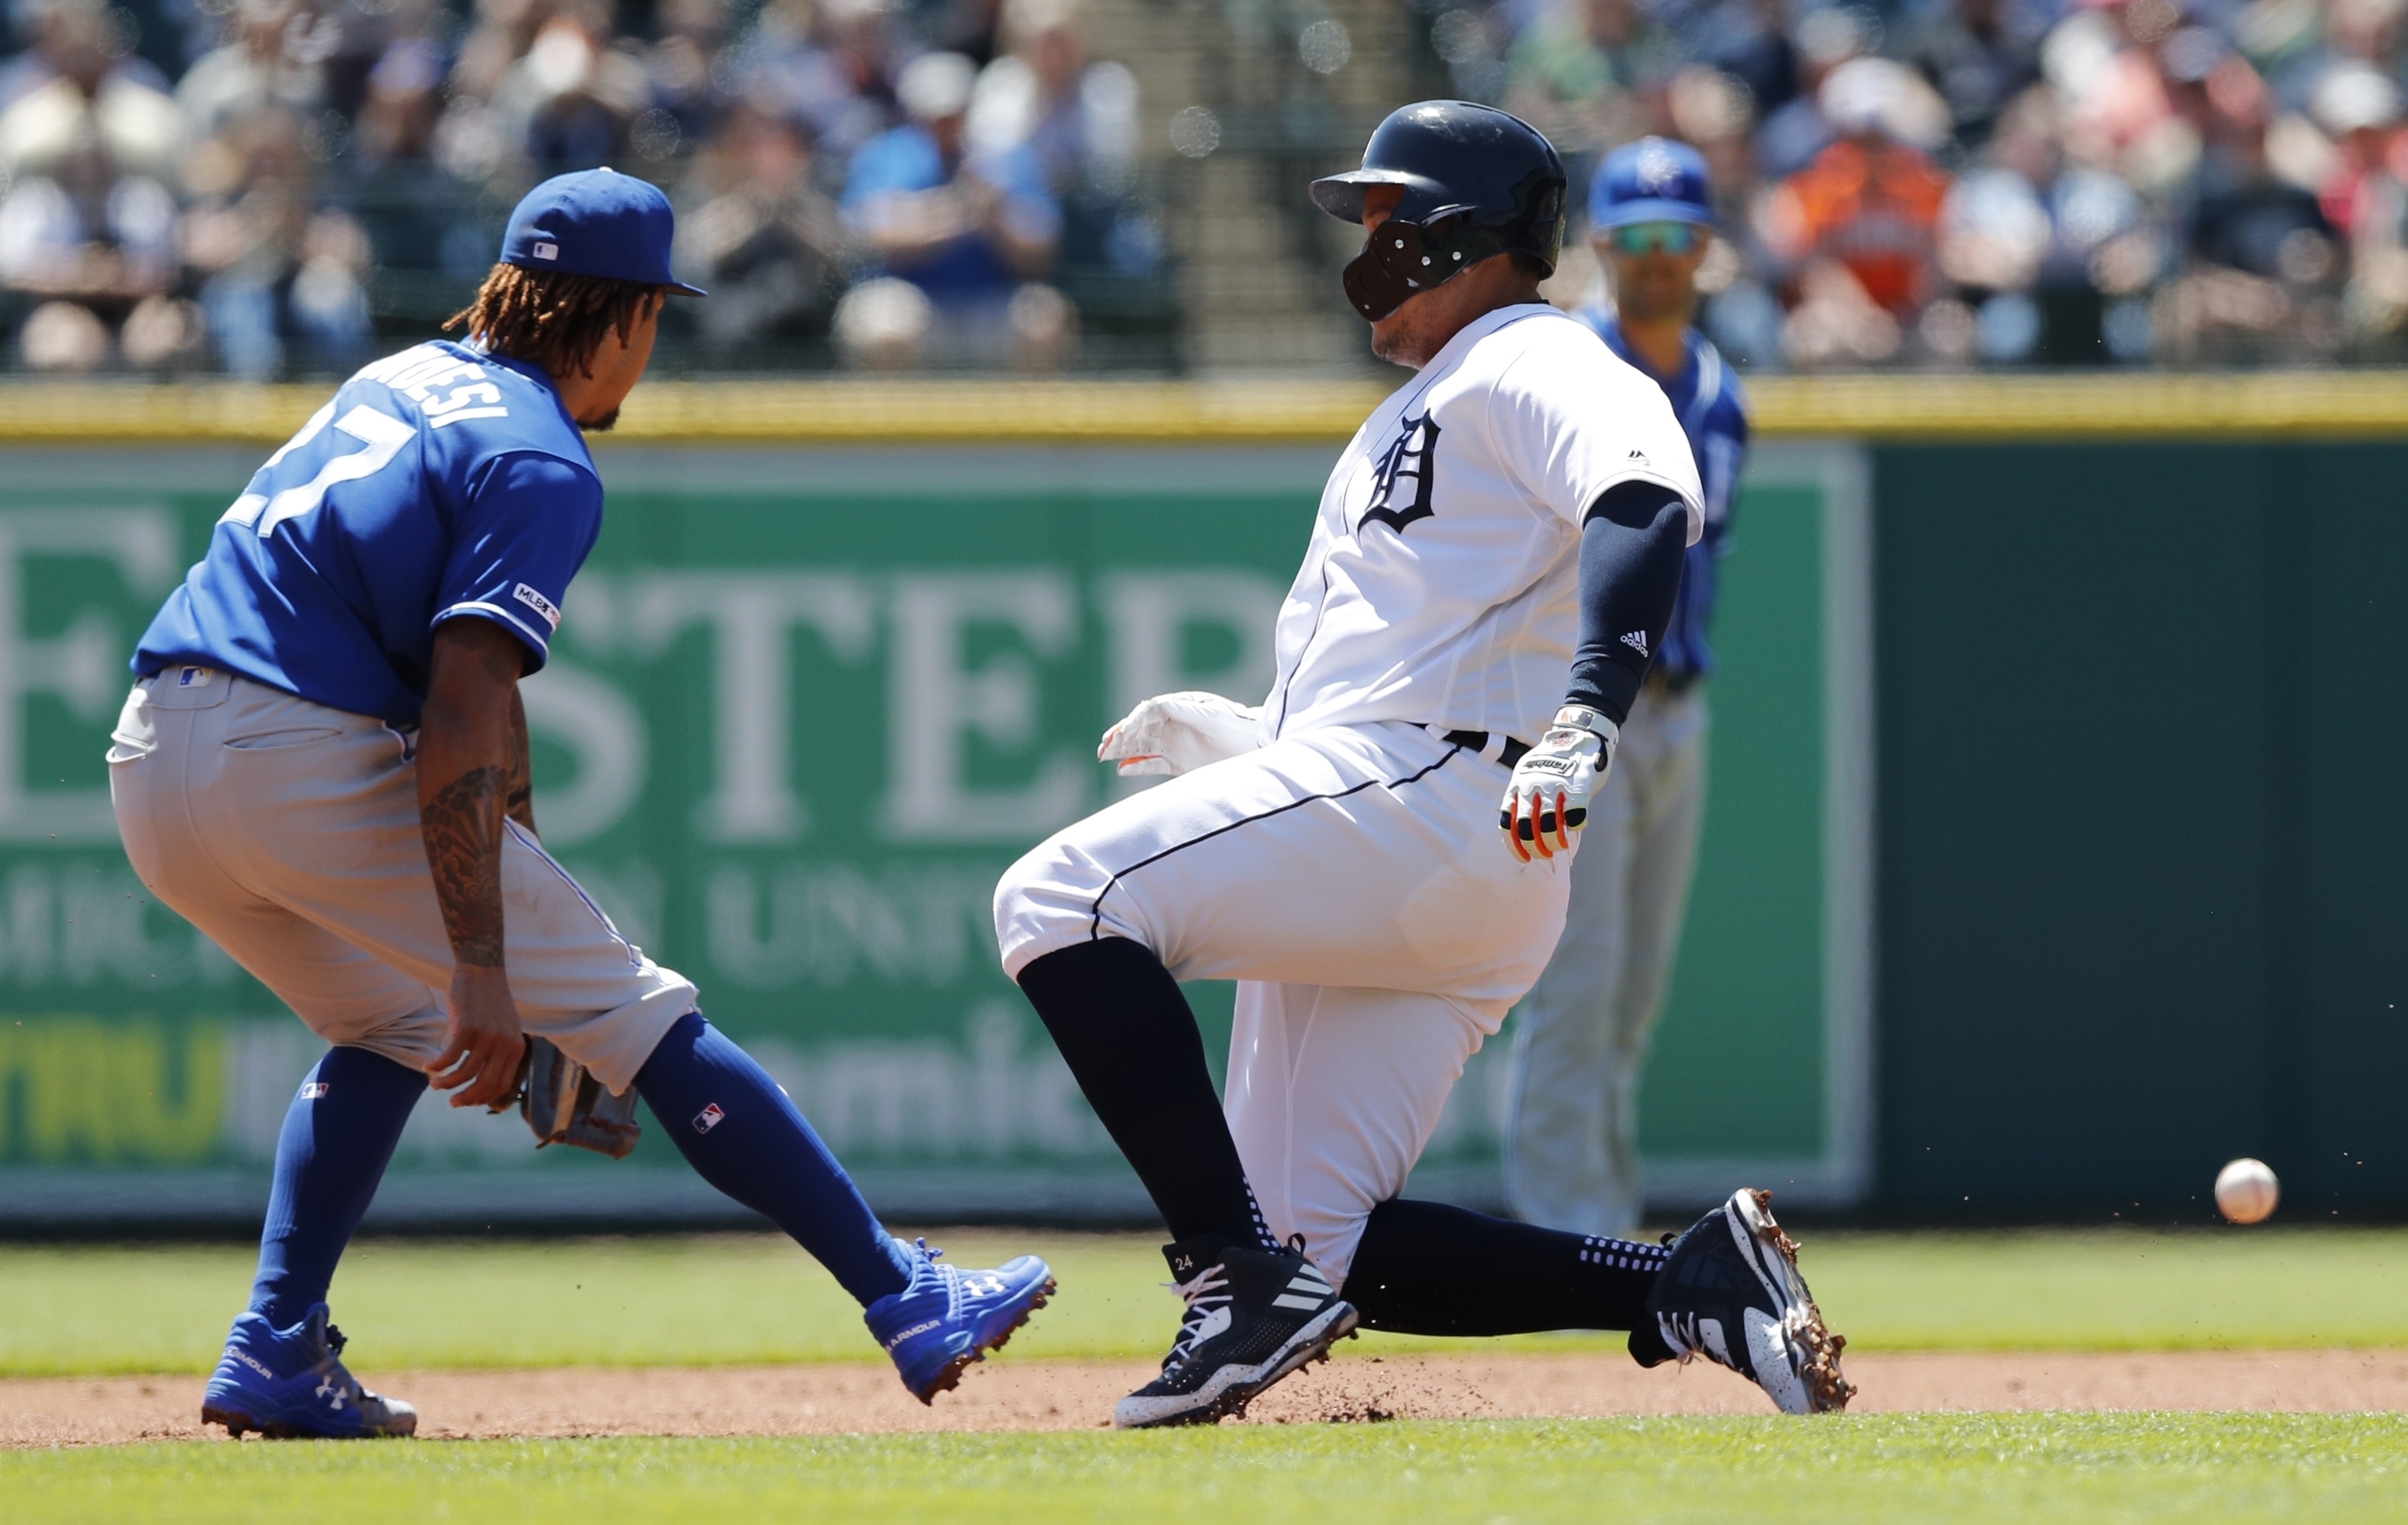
x,y
1496,747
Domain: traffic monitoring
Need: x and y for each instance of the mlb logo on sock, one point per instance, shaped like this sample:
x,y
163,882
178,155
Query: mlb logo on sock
x,y
708,1118
314,1090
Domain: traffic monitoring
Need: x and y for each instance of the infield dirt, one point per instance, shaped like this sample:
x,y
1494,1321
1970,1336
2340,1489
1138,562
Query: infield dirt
x,y
1069,1395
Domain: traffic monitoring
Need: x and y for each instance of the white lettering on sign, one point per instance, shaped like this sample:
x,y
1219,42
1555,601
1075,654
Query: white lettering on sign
x,y
937,703
753,616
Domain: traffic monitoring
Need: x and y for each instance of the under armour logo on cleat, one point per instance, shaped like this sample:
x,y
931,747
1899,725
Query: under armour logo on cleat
x,y
1637,641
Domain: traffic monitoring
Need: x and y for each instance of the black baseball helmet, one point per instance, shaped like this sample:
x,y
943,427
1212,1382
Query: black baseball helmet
x,y
1478,181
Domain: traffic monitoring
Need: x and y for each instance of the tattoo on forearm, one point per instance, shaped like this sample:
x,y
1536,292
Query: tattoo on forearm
x,y
463,828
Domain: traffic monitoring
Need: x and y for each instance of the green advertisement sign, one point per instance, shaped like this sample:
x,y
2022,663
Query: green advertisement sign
x,y
804,708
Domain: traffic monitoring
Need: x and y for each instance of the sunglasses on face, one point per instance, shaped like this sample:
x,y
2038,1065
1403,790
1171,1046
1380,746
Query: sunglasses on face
x,y
1657,238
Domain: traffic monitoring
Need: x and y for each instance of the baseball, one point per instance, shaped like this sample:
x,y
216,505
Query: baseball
x,y
2247,1191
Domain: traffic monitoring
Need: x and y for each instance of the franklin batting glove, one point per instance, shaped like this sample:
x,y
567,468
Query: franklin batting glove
x,y
1548,800
1177,733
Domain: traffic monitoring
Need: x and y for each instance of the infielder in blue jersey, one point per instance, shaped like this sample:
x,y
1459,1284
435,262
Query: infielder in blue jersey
x,y
1572,1129
323,766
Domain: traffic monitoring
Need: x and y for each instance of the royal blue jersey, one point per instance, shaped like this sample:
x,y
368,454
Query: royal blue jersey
x,y
1712,407
441,482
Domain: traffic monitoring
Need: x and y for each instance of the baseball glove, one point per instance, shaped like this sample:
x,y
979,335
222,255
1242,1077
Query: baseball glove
x,y
563,1103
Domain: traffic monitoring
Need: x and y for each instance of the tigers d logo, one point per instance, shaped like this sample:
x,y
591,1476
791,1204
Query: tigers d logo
x,y
1401,481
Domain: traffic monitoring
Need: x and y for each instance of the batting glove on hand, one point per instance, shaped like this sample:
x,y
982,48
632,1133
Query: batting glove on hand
x,y
1177,733
1548,800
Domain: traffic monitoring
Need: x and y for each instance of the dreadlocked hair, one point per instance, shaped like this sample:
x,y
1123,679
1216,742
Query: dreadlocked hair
x,y
551,318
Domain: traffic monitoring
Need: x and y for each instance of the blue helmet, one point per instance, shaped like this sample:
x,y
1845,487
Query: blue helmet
x,y
1655,180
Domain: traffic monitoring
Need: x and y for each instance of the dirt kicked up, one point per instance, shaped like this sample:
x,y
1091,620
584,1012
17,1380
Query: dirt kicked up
x,y
1071,1395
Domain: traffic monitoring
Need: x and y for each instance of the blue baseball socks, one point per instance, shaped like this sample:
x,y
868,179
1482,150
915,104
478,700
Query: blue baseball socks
x,y
339,1136
743,1135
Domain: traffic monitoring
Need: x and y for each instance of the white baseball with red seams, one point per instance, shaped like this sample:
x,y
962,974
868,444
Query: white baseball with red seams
x,y
2247,1191
1346,870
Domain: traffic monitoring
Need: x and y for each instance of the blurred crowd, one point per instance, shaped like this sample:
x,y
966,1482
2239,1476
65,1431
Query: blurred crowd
x,y
2000,181
273,187
277,187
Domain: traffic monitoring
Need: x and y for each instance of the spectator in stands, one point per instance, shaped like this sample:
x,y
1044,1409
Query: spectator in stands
x,y
688,68
1979,55
1749,42
2365,198
92,246
2262,265
570,102
32,20
420,220
832,69
273,55
1860,225
89,97
280,269
1791,137
767,244
1078,117
970,232
1587,73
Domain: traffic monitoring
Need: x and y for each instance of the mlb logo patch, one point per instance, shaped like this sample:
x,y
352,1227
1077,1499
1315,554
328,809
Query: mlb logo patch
x,y
537,602
708,1118
314,1091
547,250
193,678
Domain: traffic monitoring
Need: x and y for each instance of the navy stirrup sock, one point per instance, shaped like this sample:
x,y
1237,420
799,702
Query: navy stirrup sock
x,y
743,1135
1429,1268
1130,1039
339,1136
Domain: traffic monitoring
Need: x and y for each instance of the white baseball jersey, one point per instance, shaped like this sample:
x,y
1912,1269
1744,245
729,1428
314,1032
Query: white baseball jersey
x,y
1442,581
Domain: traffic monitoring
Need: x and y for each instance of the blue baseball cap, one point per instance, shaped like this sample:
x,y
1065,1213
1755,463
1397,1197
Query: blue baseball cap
x,y
596,223
1652,180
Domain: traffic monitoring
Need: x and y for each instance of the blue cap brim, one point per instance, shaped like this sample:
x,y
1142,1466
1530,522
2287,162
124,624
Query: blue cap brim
x,y
1625,214
679,288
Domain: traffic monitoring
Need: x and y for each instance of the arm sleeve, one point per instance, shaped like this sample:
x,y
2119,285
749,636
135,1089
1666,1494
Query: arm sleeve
x,y
527,525
1633,544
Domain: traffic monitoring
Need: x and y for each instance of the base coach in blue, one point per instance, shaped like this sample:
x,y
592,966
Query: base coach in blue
x,y
323,766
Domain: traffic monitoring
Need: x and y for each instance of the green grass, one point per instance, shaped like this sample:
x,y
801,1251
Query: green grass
x,y
745,1299
1972,1468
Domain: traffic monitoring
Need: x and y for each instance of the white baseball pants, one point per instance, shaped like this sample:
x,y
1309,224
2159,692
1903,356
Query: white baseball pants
x,y
288,832
1353,881
1580,1041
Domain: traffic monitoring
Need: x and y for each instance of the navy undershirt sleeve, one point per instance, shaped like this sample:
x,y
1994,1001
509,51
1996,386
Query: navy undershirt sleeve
x,y
1633,542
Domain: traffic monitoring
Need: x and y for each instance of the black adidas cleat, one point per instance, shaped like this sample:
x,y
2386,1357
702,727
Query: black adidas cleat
x,y
1254,1315
1730,1292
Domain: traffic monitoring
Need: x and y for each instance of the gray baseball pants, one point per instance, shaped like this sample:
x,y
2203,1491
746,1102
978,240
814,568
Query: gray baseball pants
x,y
288,832
1581,1035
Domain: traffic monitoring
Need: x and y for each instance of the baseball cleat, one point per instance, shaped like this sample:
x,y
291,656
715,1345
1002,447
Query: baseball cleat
x,y
290,1384
948,1317
1730,1292
1254,1315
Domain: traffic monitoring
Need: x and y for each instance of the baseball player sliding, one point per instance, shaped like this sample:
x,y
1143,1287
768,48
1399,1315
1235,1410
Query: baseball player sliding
x,y
323,766
1500,543
1571,1133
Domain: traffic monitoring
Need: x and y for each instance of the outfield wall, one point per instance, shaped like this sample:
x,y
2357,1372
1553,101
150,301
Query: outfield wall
x,y
2053,850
